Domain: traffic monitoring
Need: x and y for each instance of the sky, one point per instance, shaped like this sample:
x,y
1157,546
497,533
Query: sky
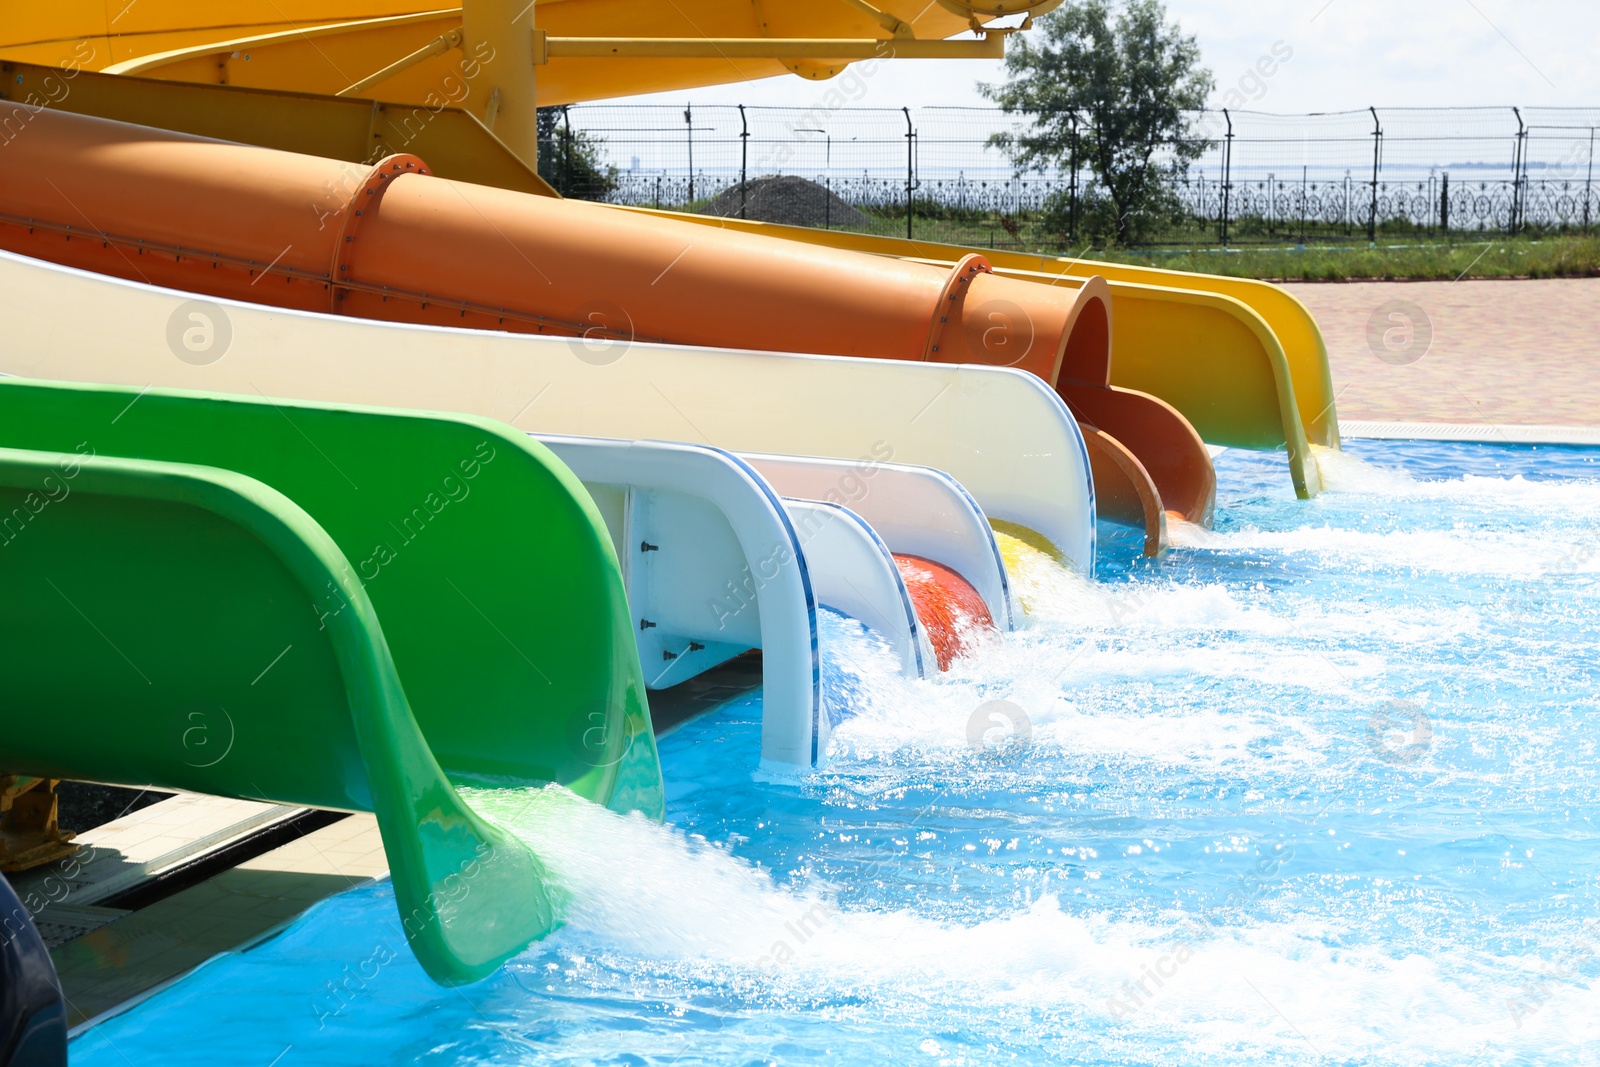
x,y
1344,54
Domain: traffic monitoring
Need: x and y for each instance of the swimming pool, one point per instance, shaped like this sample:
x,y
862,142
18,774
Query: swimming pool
x,y
1319,786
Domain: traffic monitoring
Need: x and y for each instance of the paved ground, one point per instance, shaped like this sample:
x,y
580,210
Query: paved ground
x,y
141,950
1500,351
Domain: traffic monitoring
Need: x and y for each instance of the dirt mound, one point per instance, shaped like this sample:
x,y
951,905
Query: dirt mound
x,y
785,199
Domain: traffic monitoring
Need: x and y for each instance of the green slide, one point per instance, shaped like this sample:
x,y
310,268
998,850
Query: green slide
x,y
344,608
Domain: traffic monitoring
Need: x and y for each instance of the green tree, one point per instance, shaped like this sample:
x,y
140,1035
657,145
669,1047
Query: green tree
x,y
1108,85
570,159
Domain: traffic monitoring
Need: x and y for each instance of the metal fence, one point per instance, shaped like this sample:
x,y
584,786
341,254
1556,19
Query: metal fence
x,y
939,171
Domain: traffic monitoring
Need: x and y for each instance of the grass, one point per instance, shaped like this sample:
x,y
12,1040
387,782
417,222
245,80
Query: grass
x,y
1505,257
1402,254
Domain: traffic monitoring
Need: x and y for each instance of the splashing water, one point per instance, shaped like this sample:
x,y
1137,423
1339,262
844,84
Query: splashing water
x,y
859,669
1047,589
1319,786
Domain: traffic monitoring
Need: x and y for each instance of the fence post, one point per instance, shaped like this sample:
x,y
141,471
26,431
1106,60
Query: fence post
x,y
1588,185
688,126
1072,180
566,151
744,159
1377,145
911,135
1305,176
1227,175
1444,204
1517,160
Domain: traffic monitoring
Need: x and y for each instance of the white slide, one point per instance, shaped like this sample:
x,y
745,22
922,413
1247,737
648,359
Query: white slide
x,y
854,573
715,563
713,567
1001,433
917,511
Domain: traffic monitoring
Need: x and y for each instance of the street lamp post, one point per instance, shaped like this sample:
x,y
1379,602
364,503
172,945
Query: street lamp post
x,y
827,176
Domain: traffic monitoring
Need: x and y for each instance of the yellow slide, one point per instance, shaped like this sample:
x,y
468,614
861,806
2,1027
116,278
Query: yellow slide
x,y
1242,360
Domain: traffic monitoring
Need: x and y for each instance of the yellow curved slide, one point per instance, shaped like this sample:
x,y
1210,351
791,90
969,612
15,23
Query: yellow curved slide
x,y
1242,360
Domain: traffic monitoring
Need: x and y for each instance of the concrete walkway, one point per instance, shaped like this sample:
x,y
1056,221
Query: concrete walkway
x,y
1524,352
126,959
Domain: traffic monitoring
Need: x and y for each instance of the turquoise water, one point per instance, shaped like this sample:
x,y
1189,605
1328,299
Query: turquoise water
x,y
1321,786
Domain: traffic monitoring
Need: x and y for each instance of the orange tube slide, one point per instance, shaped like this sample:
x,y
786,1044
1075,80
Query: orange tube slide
x,y
1163,441
393,242
952,612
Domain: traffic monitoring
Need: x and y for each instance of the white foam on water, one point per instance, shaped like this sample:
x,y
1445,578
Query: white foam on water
x,y
1111,685
1461,550
1099,696
653,900
1345,473
1169,607
1198,739
1266,664
1303,988
1062,601
1476,525
1154,629
1388,625
943,734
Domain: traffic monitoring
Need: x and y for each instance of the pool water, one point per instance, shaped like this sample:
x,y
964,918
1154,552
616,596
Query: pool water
x,y
1320,786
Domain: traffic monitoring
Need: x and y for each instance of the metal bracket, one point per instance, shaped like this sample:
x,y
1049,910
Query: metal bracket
x,y
884,19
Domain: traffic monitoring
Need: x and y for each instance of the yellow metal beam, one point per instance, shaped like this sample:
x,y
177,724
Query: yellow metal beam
x,y
998,8
989,46
157,60
323,46
453,142
438,46
500,33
